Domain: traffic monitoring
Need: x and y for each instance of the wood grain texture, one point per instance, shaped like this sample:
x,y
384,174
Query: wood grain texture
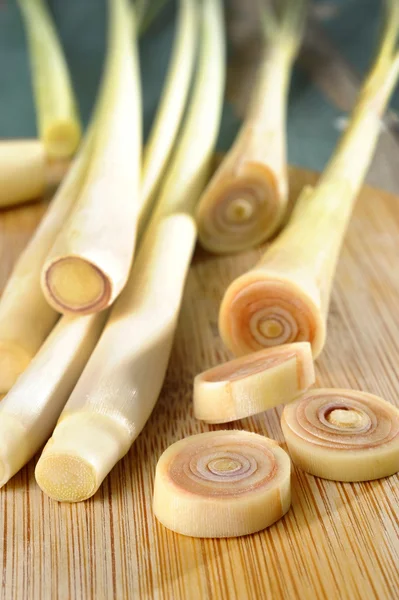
x,y
338,541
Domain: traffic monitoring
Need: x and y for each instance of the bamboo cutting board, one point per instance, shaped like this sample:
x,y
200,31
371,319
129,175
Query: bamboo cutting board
x,y
338,541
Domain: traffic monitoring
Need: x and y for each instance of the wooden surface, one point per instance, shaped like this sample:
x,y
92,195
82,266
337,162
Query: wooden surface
x,y
338,541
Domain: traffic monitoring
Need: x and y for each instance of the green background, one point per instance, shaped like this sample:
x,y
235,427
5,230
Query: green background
x,y
312,131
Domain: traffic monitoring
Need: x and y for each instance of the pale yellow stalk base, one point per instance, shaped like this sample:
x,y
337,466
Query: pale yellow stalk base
x,y
77,284
30,410
252,384
83,449
126,371
222,484
95,246
23,171
343,435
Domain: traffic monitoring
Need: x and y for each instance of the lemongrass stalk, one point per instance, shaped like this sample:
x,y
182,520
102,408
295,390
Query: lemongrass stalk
x,y
120,385
343,435
222,484
30,410
171,107
254,383
25,171
89,263
285,297
57,118
246,199
25,317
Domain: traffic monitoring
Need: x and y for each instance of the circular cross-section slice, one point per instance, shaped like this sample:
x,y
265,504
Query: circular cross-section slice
x,y
254,383
343,435
222,484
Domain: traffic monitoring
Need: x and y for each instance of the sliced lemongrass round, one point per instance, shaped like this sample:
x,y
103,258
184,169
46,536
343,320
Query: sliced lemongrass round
x,y
251,384
343,435
222,484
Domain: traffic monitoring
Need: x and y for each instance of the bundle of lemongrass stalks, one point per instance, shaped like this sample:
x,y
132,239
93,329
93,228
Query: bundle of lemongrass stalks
x,y
113,250
285,297
81,257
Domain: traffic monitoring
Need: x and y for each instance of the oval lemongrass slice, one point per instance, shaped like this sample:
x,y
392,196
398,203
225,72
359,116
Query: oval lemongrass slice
x,y
173,100
222,484
344,435
251,384
246,200
120,385
25,317
285,298
58,123
89,263
30,410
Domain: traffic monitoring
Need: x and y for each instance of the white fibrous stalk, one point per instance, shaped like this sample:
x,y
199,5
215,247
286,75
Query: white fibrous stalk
x,y
121,383
89,263
246,199
285,297
30,410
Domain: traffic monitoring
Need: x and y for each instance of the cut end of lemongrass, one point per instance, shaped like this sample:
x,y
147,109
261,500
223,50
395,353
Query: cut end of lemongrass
x,y
343,435
66,478
74,285
14,447
260,311
222,484
84,448
254,383
61,138
13,361
236,213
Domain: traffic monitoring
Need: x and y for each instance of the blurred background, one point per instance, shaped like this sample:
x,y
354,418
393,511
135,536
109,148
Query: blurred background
x,y
340,38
